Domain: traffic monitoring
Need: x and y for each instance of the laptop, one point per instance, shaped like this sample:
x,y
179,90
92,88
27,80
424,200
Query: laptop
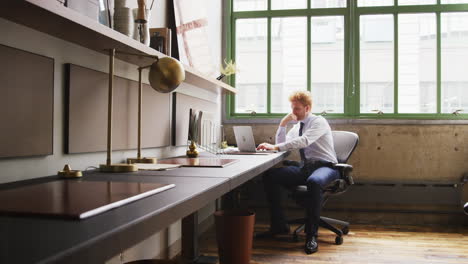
x,y
246,143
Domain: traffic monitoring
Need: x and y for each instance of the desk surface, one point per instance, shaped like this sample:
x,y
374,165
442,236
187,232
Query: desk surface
x,y
98,238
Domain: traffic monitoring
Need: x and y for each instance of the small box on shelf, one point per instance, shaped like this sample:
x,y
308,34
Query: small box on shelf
x,y
160,40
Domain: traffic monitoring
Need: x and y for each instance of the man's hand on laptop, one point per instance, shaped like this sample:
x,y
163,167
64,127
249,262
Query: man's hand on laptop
x,y
267,146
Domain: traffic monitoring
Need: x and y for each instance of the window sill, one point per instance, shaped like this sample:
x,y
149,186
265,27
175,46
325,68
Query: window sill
x,y
343,121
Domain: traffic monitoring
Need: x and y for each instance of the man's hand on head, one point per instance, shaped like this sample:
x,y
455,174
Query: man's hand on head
x,y
267,146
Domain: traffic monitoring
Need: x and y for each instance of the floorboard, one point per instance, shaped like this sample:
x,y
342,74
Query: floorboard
x,y
364,244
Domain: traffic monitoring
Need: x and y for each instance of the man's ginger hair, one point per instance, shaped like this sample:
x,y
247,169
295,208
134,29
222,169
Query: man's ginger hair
x,y
303,97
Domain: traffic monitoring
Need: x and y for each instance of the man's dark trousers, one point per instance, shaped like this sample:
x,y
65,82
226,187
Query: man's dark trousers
x,y
315,180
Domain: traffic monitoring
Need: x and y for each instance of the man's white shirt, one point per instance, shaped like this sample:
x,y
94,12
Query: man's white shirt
x,y
316,139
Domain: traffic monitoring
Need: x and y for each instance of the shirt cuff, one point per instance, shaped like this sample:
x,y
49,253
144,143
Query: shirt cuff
x,y
281,146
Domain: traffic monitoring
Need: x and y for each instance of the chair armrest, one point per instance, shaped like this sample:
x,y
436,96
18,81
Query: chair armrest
x,y
345,171
341,166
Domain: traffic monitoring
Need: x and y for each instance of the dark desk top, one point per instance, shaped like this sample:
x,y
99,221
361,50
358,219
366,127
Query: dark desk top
x,y
98,238
74,199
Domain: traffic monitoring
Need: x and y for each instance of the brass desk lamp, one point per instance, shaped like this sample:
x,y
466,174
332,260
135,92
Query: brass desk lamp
x,y
165,75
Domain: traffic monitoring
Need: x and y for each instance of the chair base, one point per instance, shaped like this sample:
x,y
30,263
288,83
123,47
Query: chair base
x,y
325,222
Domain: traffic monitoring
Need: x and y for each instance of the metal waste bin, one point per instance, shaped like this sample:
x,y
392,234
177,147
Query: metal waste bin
x,y
234,234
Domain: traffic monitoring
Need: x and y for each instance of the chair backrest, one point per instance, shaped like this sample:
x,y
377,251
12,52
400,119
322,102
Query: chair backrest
x,y
344,142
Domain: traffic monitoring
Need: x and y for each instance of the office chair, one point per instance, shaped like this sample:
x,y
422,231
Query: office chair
x,y
344,144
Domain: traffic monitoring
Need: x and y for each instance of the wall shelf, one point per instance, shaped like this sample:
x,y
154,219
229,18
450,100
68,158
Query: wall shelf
x,y
49,17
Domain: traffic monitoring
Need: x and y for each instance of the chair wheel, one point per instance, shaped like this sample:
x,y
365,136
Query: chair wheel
x,y
345,230
339,240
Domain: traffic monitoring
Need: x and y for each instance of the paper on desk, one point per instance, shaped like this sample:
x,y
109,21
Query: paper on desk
x,y
156,167
231,150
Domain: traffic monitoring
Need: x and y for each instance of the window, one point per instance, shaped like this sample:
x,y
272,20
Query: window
x,y
417,63
288,63
376,63
251,53
454,54
327,64
359,59
288,4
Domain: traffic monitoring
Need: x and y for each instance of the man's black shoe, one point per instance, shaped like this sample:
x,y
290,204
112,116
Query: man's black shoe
x,y
311,245
273,232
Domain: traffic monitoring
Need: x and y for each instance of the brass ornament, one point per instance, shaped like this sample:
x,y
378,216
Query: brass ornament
x,y
192,152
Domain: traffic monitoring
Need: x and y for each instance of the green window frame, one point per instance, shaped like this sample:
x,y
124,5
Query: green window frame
x,y
351,14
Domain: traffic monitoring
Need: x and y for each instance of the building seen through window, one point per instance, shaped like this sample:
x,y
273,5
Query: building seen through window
x,y
397,67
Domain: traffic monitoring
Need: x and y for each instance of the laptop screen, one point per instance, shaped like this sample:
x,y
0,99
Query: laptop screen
x,y
244,138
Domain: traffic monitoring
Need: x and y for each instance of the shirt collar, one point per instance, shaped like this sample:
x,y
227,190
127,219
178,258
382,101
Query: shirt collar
x,y
307,119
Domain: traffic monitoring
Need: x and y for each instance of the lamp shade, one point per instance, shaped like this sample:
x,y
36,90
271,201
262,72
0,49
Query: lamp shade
x,y
166,74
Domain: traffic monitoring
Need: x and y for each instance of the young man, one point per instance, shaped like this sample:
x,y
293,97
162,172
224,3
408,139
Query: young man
x,y
313,138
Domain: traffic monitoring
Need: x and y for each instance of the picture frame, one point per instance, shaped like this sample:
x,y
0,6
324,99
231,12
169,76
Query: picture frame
x,y
160,40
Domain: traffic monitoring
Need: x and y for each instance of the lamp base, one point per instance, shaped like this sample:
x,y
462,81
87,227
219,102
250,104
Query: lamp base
x,y
120,167
142,160
67,172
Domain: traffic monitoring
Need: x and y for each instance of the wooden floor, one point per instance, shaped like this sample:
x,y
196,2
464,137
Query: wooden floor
x,y
364,244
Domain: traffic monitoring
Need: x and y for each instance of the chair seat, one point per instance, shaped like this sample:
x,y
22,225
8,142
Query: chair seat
x,y
335,187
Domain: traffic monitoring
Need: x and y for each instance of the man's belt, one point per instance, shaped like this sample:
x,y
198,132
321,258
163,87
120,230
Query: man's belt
x,y
319,164
311,166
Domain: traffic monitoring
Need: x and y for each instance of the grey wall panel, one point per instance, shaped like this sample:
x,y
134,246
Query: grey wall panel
x,y
26,103
87,113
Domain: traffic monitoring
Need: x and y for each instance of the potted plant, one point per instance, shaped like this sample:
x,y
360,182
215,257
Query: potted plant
x,y
228,70
194,121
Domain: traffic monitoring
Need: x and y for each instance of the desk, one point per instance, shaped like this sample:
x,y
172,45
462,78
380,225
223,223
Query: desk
x,y
98,238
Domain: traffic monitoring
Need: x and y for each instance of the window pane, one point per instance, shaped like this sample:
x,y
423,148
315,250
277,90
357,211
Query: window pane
x,y
327,68
251,59
454,1
288,60
375,2
417,63
288,4
417,2
376,63
249,5
328,3
454,53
